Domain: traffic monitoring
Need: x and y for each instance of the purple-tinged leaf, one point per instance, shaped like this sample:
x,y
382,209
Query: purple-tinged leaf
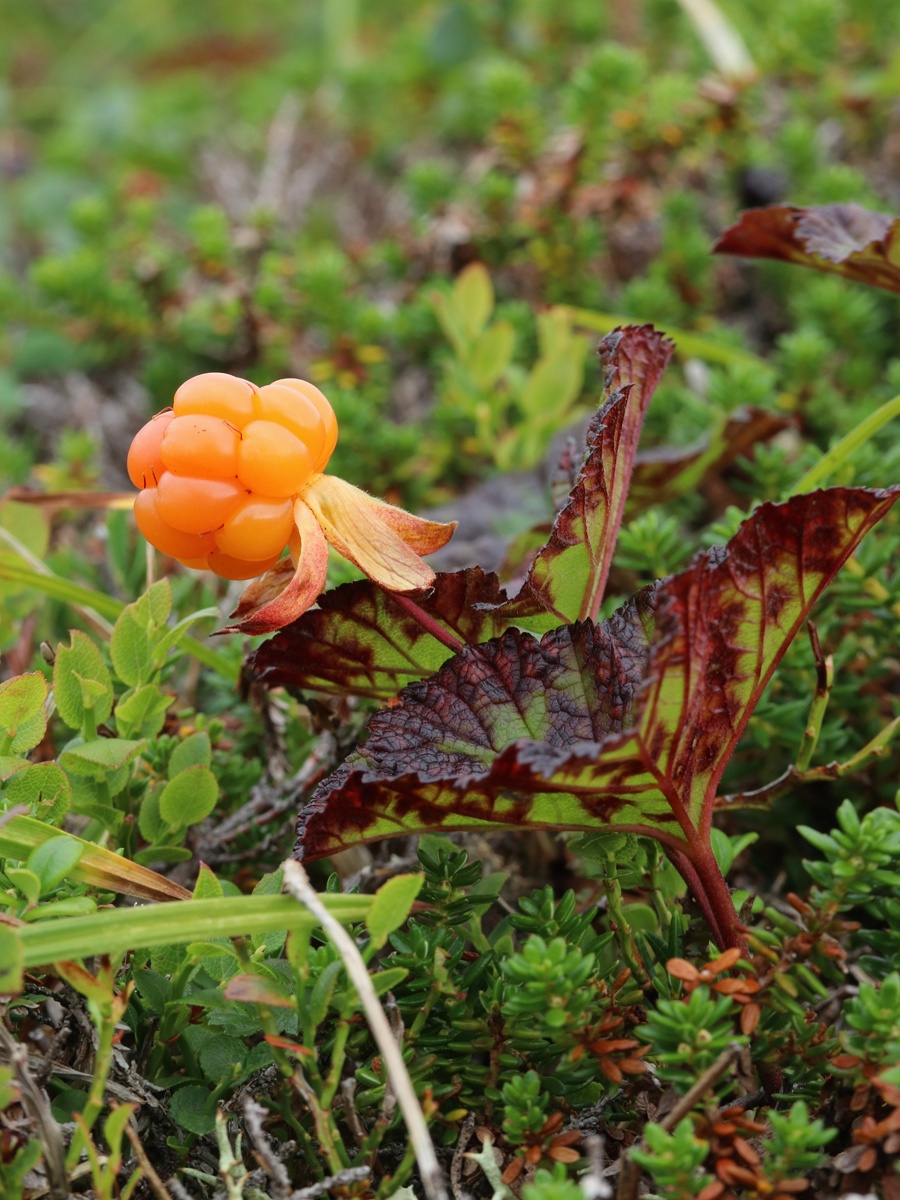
x,y
626,725
568,577
666,472
362,640
502,736
723,625
844,239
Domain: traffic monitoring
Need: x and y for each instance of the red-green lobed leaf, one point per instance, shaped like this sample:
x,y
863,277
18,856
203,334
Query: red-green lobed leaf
x,y
844,239
568,577
362,640
625,725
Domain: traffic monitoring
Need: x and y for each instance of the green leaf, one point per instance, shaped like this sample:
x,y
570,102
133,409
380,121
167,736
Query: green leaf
x,y
158,600
223,1058
131,644
153,828
73,906
26,881
152,988
99,758
189,797
177,635
552,386
207,886
194,750
167,925
206,950
391,906
10,766
473,298
12,962
44,788
163,854
81,682
320,998
255,990
269,885
192,1108
14,570
141,713
384,981
54,859
30,528
491,354
22,717
98,867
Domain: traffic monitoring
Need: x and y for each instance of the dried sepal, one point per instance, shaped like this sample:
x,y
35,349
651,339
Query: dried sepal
x,y
287,591
383,541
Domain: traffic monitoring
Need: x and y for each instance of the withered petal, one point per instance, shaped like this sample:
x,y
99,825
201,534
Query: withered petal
x,y
383,541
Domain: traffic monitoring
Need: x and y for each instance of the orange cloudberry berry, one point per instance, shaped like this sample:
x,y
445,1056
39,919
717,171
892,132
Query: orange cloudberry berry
x,y
233,473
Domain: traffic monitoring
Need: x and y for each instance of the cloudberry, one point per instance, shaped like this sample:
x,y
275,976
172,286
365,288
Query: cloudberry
x,y
219,470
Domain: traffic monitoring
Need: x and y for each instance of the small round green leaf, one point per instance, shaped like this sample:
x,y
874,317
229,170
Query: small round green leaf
x,y
44,788
22,717
81,681
196,749
189,797
191,1108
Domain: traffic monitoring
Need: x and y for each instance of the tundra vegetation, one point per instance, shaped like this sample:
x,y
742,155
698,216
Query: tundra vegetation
x,y
554,860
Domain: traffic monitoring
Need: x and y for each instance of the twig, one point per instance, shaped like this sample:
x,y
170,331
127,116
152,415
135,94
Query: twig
x,y
630,1176
36,1105
297,885
270,1163
456,1163
723,43
351,1116
710,1076
593,1184
348,1175
156,1185
277,165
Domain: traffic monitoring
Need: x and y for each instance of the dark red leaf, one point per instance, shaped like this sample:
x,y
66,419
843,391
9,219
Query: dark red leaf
x,y
568,577
361,640
842,238
670,471
626,725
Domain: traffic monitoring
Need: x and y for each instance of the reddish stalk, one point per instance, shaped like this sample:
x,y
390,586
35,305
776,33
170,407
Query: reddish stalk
x,y
712,895
428,623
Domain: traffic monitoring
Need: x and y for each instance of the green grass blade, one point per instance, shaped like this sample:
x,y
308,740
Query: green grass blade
x,y
14,570
687,345
838,454
118,930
